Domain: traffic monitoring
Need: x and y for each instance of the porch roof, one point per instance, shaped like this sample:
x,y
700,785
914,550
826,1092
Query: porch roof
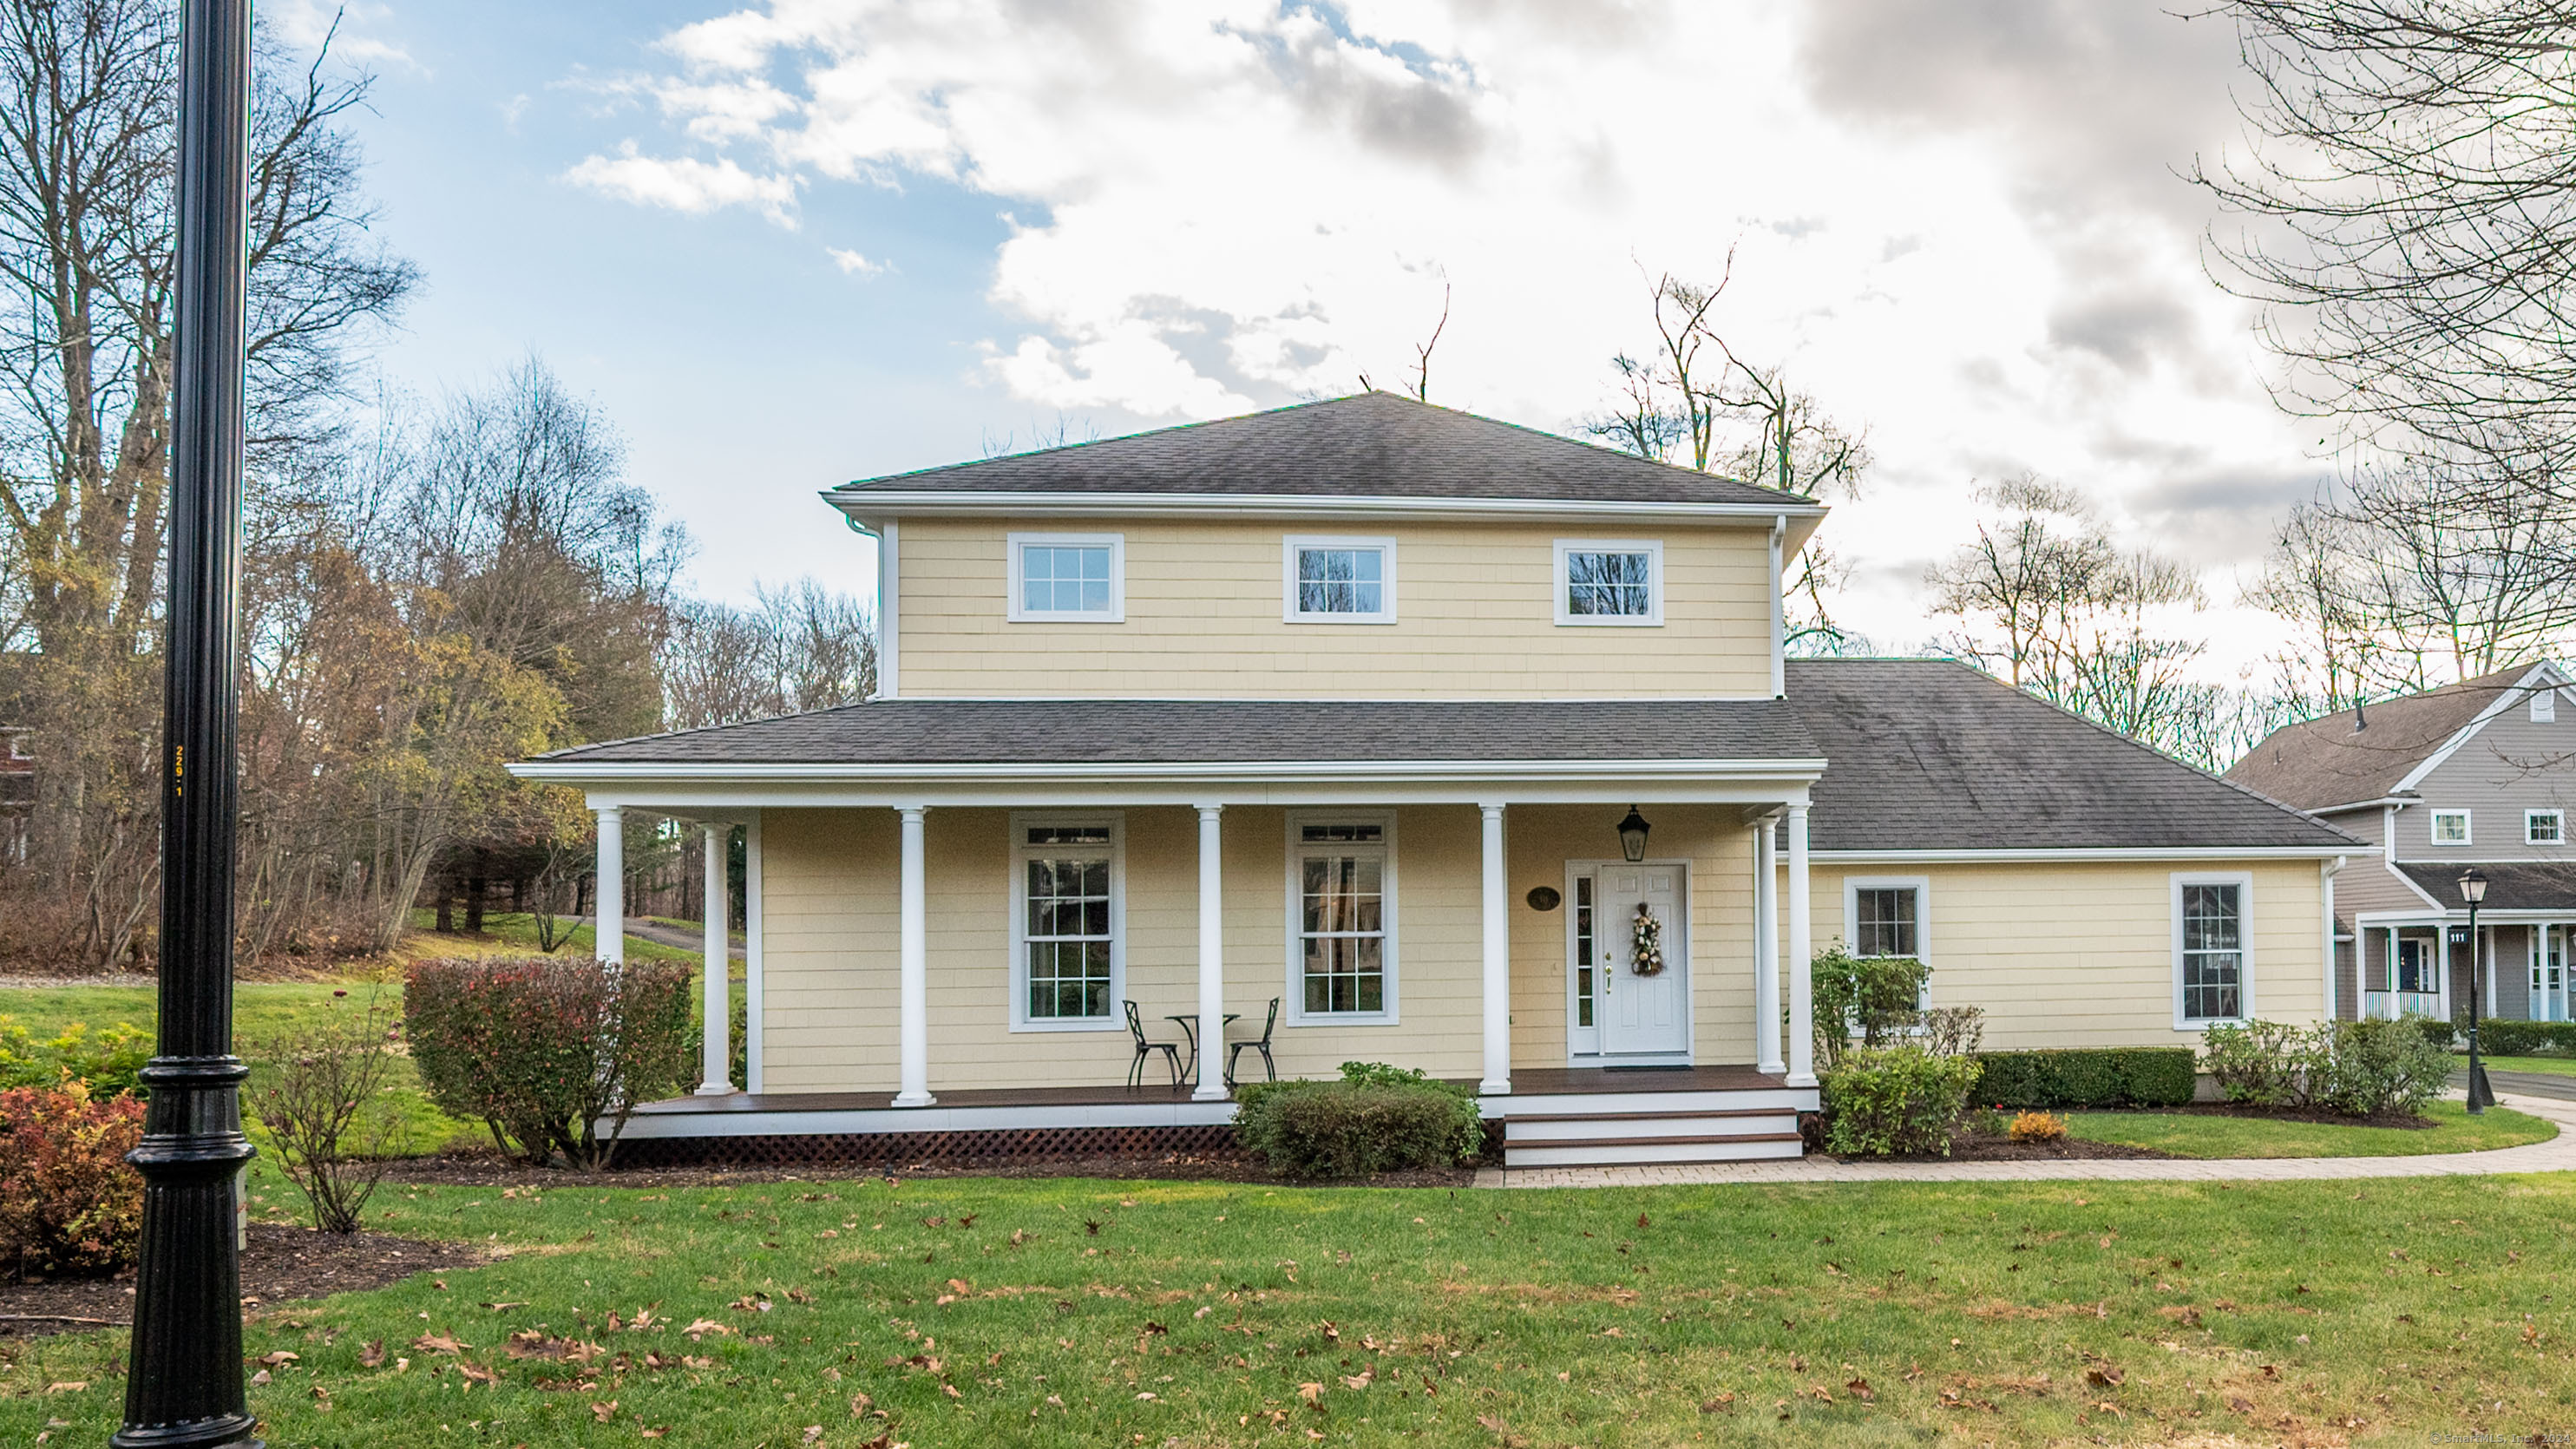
x,y
1020,733
2512,885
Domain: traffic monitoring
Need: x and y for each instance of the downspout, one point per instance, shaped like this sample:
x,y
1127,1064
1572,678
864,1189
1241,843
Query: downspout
x,y
1779,608
2326,880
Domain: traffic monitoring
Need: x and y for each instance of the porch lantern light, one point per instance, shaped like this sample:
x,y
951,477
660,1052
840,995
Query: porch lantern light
x,y
2473,889
1632,836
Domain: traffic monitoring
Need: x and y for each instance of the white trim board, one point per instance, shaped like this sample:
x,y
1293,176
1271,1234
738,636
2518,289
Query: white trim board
x,y
870,506
2070,855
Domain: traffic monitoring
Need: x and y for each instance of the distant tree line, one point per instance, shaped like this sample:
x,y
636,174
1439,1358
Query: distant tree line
x,y
430,588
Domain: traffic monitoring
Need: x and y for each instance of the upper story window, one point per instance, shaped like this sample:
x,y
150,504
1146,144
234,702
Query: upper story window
x,y
2544,706
1068,577
2544,827
1340,580
2450,827
1609,581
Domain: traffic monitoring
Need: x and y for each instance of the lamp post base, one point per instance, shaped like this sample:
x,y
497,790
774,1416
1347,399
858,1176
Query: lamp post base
x,y
183,1379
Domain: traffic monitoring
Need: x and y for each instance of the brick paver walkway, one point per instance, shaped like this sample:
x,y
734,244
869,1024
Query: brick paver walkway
x,y
2556,1155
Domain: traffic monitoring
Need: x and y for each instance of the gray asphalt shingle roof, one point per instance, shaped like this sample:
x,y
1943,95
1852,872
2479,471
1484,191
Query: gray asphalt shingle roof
x,y
1929,754
2512,885
1375,444
2326,761
1165,731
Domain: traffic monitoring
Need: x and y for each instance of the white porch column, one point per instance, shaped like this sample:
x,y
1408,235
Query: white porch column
x,y
914,1030
1211,1085
1498,962
1766,949
716,1073
1802,1002
608,922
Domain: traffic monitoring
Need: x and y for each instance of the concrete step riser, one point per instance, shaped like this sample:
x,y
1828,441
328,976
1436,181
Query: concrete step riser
x,y
1785,1099
1576,1129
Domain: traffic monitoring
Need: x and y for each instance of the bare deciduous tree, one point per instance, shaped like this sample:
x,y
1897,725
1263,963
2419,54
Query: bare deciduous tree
x,y
87,165
799,648
1697,403
2047,602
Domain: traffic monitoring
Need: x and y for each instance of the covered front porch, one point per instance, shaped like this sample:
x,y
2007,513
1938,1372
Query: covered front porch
x,y
943,909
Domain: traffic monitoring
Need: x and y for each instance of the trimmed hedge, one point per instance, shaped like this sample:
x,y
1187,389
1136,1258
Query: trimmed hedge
x,y
548,1051
2087,1078
1884,1100
1375,1119
2513,1038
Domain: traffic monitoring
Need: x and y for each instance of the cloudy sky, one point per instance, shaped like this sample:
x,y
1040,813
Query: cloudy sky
x,y
810,240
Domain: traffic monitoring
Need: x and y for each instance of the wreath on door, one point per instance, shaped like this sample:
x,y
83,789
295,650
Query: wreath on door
x,y
1646,943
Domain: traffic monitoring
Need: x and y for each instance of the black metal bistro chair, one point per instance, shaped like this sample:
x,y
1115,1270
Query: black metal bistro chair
x,y
1260,1044
1145,1050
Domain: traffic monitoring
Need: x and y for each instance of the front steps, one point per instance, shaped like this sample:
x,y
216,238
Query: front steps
x,y
1620,1129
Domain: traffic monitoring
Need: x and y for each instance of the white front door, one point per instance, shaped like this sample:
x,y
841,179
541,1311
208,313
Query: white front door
x,y
1639,1016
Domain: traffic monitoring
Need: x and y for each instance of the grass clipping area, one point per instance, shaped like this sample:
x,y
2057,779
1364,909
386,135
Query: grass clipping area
x,y
974,1311
2212,1135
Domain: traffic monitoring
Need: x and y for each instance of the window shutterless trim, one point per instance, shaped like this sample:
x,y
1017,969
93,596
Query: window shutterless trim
x,y
2433,823
2533,817
2244,883
1293,544
1018,856
1014,546
1296,1013
1921,885
1652,548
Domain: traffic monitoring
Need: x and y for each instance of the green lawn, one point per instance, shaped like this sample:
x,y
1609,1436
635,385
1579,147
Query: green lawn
x,y
509,933
2201,1135
261,1011
977,1312
2554,1066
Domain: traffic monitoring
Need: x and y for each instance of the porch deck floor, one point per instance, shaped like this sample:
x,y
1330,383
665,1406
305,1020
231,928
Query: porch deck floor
x,y
1533,1081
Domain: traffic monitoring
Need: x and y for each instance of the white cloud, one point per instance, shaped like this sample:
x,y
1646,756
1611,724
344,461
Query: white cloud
x,y
306,24
1238,202
854,263
685,183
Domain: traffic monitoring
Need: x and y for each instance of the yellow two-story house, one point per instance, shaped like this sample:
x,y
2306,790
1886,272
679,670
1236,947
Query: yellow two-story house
x,y
1370,730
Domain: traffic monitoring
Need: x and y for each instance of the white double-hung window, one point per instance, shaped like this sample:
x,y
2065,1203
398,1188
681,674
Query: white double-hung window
x,y
2544,827
1339,581
2213,959
1609,581
1065,960
1068,578
1341,918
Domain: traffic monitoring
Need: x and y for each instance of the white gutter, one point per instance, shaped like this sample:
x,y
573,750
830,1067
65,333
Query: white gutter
x,y
2076,855
569,771
867,507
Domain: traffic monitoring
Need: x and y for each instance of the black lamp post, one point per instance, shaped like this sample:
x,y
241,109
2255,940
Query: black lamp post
x,y
1632,836
2473,889
183,1387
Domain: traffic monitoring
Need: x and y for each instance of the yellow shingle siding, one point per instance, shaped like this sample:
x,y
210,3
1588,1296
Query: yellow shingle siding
x,y
1475,618
2067,954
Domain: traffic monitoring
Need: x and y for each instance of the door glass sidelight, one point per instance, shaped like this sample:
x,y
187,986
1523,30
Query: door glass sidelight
x,y
1586,961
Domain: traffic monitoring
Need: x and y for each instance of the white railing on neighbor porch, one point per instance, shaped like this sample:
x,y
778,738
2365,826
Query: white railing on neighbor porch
x,y
2391,1005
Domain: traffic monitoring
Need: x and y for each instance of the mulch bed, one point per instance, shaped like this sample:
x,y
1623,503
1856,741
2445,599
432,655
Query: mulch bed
x,y
283,1263
1971,1147
2290,1114
490,1169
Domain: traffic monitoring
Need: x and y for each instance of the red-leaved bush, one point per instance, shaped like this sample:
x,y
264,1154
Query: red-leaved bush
x,y
550,1054
69,1204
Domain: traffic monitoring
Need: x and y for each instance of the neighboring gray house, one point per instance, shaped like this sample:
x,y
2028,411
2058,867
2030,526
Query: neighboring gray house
x,y
2480,773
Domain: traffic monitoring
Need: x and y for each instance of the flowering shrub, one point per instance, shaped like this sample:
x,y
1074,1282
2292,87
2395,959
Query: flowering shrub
x,y
552,1055
68,1202
2036,1127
